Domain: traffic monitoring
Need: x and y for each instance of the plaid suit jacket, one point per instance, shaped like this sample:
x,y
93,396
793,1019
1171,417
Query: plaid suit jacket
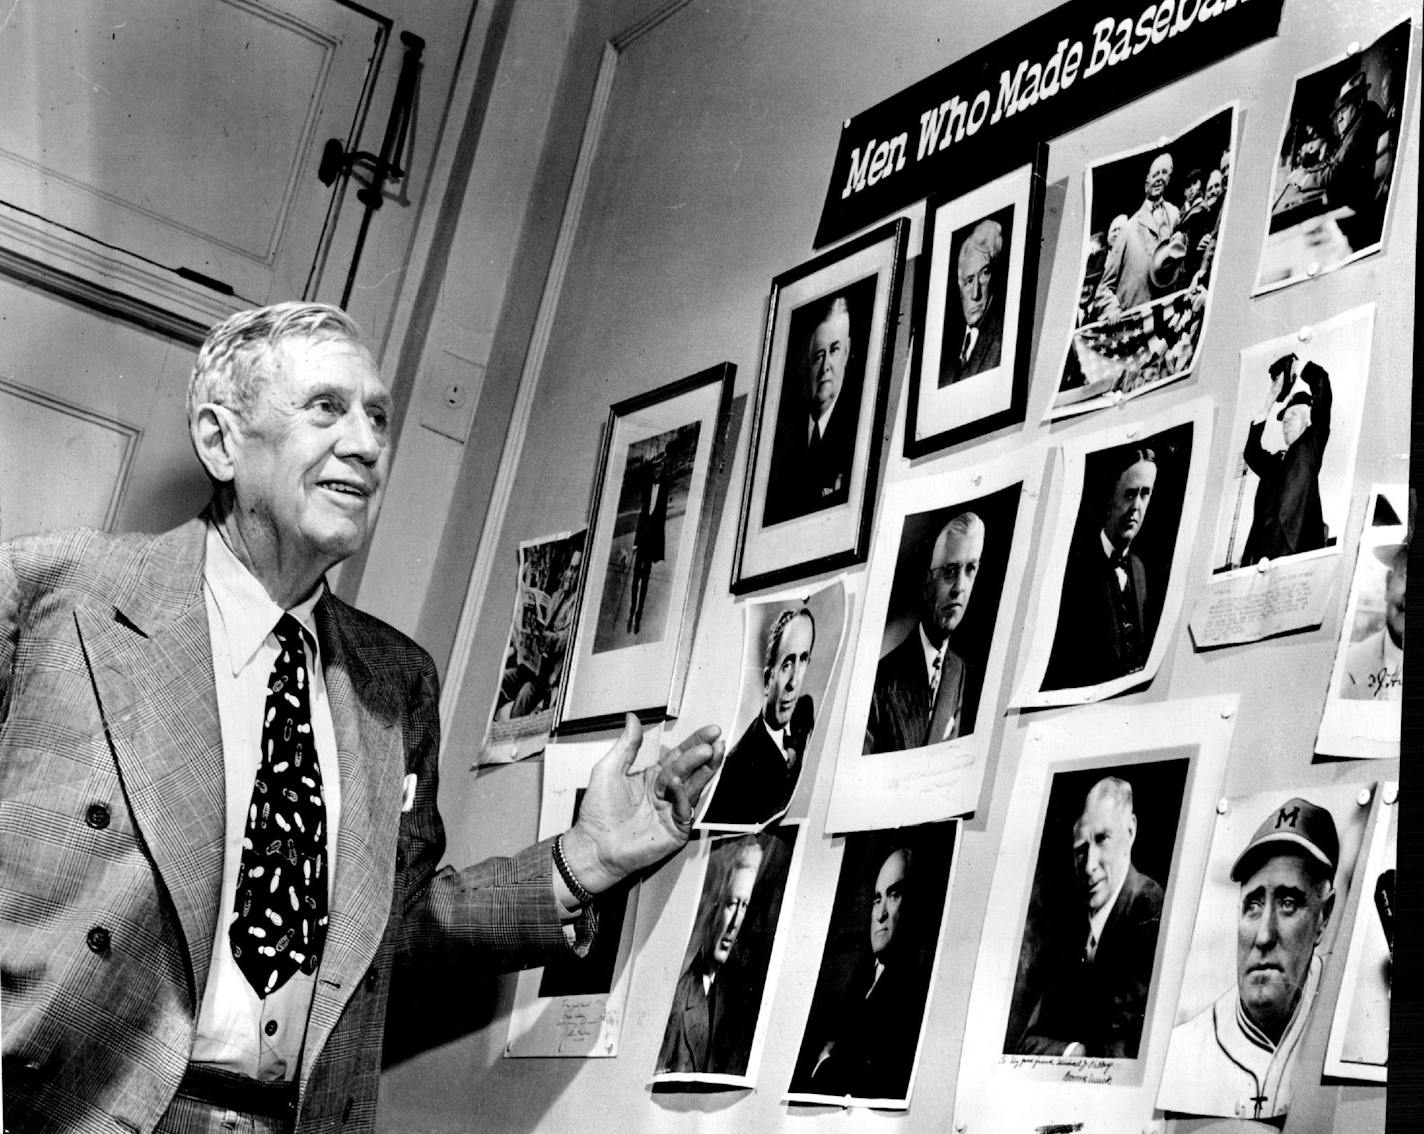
x,y
112,829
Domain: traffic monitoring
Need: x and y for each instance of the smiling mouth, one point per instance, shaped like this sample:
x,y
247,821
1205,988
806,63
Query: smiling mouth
x,y
345,488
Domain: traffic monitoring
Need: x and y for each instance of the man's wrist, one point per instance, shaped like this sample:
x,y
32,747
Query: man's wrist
x,y
581,859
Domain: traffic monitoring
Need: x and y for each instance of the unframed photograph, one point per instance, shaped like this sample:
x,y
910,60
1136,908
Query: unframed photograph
x,y
1153,220
1334,174
722,987
1278,877
790,651
1089,950
863,1031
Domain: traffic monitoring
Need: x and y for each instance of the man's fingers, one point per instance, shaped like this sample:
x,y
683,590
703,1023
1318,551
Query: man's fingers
x,y
701,748
629,742
676,792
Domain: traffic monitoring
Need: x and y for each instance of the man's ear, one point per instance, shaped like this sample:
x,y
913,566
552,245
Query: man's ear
x,y
213,429
1327,907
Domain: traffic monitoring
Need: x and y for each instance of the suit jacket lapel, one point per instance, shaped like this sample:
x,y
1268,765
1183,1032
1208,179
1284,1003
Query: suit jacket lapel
x,y
151,661
366,704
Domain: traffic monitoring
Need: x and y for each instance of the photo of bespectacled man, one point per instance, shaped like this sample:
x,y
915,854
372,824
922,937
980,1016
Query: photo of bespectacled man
x,y
1120,559
1089,949
944,602
863,1030
721,988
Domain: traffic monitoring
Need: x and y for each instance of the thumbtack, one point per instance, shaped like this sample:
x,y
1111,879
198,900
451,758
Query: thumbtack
x,y
1363,797
1222,806
846,124
1304,334
1226,714
1313,268
1354,48
1132,434
1263,564
978,479
1391,793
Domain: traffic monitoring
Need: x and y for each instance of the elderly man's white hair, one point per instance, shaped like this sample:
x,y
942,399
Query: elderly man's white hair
x,y
987,237
235,359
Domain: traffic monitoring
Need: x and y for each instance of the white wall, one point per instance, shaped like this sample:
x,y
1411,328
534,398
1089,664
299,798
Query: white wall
x,y
711,172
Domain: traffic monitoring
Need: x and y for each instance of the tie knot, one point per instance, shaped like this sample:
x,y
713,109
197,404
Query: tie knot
x,y
288,631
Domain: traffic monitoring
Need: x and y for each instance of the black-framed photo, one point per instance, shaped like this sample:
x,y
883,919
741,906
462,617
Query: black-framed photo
x,y
814,464
649,536
974,310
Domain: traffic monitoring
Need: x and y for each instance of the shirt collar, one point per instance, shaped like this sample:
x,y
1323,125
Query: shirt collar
x,y
778,735
824,419
1108,549
1099,920
246,610
930,649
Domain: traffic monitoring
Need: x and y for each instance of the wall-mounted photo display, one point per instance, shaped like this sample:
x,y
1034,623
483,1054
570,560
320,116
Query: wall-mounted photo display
x,y
573,1006
974,310
1286,499
1153,220
1089,915
1334,168
1119,542
1276,887
648,546
1359,1034
1366,694
536,651
878,968
790,653
716,1027
813,467
943,590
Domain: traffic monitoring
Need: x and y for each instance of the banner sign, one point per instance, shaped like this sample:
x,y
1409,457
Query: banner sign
x,y
974,119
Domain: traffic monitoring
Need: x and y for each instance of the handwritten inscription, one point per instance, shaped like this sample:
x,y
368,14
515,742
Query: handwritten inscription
x,y
1067,1070
580,1022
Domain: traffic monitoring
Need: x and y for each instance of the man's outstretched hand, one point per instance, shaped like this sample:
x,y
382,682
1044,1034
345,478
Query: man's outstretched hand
x,y
631,820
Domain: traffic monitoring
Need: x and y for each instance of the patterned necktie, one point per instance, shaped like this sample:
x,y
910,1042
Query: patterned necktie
x,y
969,335
279,916
935,671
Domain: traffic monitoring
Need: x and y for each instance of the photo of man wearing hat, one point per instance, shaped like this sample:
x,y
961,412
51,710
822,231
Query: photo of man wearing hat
x,y
1237,1055
1286,515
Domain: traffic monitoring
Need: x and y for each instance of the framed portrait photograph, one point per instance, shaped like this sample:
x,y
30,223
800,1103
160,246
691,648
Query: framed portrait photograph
x,y
573,1006
1153,219
1359,1034
863,1032
1365,699
1248,1003
1334,172
716,1026
791,650
647,548
814,460
973,310
1089,915
923,702
1119,543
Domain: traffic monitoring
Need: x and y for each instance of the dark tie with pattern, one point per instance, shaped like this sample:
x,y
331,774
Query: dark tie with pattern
x,y
280,914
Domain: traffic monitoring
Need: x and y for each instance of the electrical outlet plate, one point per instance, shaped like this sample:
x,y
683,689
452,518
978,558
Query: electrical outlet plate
x,y
450,392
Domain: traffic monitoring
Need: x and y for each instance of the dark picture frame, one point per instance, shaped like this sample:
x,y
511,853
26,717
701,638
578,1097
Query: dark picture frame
x,y
808,499
650,534
953,399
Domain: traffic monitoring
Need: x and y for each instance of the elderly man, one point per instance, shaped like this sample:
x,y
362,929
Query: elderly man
x,y
872,1053
709,1030
923,692
1236,1056
1126,280
815,438
219,782
761,769
1286,517
1105,622
973,342
1095,994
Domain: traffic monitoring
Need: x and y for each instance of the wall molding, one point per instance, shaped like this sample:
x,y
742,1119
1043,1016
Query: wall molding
x,y
483,568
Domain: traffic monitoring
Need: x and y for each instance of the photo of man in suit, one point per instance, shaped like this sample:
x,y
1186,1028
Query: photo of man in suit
x,y
182,975
1095,993
648,539
873,1051
1286,516
760,771
1126,280
1237,1056
973,340
1106,620
709,1030
816,426
921,686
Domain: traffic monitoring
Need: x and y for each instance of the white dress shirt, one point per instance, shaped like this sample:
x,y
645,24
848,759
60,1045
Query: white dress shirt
x,y
237,1030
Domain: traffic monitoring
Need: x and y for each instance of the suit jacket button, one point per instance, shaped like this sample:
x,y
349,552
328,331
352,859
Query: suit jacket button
x,y
97,816
346,1110
373,979
98,939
